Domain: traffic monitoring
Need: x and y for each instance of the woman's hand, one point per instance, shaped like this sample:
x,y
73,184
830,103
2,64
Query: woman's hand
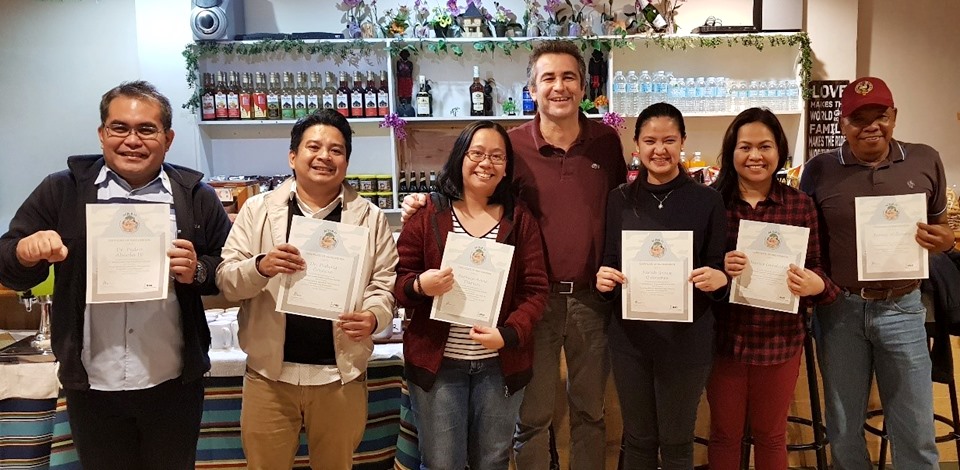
x,y
708,279
608,279
435,282
489,338
804,282
734,263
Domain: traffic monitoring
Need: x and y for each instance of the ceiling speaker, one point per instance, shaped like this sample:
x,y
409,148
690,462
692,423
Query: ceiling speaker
x,y
216,19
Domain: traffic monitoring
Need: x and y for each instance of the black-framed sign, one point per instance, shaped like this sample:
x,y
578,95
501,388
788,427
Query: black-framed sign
x,y
823,116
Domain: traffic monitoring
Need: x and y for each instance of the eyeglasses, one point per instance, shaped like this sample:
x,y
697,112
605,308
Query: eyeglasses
x,y
143,132
477,156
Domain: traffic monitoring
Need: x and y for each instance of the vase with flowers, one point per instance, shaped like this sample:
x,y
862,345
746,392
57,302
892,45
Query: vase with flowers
x,y
602,104
532,18
576,18
556,17
355,13
502,17
442,18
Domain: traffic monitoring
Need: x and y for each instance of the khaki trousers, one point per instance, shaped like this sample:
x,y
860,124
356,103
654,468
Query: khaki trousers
x,y
273,412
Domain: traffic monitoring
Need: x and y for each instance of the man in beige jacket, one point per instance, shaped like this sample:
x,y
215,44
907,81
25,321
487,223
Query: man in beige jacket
x,y
304,370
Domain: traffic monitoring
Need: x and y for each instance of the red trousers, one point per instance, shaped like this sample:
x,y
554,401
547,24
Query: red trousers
x,y
740,392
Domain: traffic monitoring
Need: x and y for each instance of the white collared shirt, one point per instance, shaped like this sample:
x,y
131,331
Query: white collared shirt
x,y
133,345
311,374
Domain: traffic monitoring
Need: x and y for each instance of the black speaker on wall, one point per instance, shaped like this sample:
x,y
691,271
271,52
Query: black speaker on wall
x,y
216,19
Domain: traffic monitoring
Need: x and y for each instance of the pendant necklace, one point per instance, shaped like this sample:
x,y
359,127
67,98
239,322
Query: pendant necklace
x,y
664,198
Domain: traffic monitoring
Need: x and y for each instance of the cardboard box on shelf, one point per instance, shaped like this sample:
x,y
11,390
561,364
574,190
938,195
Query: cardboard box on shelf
x,y
234,193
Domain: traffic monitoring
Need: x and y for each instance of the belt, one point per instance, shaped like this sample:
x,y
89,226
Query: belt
x,y
871,293
565,287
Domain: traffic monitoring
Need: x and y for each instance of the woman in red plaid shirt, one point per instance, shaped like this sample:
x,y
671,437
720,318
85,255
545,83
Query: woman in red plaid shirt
x,y
758,350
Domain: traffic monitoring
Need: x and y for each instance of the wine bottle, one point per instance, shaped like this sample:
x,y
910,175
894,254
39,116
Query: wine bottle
x,y
383,95
259,97
370,97
476,94
208,106
653,16
286,97
273,97
300,96
233,96
356,96
423,188
424,99
343,96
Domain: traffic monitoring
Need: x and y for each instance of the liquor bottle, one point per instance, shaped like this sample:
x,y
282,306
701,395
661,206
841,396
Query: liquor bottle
x,y
476,94
260,97
529,105
208,102
233,96
383,95
653,16
343,96
402,184
433,181
273,97
246,97
314,93
424,99
370,97
220,97
286,97
423,188
300,96
633,169
329,98
356,96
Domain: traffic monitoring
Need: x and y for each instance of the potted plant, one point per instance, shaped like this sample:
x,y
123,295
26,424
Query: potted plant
x,y
502,18
442,19
395,24
602,104
588,107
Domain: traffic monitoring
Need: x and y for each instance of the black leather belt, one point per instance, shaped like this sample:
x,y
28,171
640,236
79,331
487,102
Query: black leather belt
x,y
872,293
564,287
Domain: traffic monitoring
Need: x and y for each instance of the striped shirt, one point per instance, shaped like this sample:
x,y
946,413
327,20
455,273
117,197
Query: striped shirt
x,y
459,344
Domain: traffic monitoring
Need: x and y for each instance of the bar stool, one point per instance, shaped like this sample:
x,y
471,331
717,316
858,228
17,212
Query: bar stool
x,y
815,422
940,346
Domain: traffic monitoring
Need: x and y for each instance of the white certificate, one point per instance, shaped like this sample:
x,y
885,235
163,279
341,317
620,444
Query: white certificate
x,y
770,249
127,252
480,270
330,284
887,248
657,266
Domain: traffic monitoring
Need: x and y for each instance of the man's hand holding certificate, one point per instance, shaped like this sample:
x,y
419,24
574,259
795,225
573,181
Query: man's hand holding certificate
x,y
476,270
887,247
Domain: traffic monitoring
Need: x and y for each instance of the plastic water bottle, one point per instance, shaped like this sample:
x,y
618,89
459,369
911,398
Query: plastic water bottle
x,y
753,94
677,92
619,102
709,95
646,90
721,95
793,95
633,94
691,94
701,103
743,96
660,85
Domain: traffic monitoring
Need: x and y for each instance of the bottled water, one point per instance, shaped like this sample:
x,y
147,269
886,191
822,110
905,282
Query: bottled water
x,y
618,103
774,98
691,94
646,91
709,96
633,94
659,87
677,93
700,104
721,96
782,96
793,95
743,96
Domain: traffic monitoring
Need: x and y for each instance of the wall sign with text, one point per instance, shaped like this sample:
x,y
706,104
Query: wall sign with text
x,y
823,116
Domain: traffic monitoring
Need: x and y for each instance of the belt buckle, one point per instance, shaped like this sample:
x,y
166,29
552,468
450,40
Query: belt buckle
x,y
568,285
873,294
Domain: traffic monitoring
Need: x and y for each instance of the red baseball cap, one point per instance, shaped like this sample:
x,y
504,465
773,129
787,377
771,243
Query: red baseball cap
x,y
864,91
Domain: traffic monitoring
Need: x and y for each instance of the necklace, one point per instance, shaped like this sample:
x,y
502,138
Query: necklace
x,y
664,198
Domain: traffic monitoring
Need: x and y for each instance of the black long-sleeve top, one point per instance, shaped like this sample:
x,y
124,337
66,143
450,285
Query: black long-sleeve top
x,y
687,205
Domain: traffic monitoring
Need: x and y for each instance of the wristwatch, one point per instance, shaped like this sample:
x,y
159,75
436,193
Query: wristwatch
x,y
200,276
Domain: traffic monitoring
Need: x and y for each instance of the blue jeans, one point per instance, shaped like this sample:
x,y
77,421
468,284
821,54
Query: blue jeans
x,y
466,417
857,338
577,324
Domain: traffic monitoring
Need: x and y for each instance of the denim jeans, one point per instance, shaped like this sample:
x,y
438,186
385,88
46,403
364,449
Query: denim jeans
x,y
575,323
857,338
466,417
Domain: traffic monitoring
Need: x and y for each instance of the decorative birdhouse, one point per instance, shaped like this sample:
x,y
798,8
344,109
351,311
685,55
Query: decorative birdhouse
x,y
473,22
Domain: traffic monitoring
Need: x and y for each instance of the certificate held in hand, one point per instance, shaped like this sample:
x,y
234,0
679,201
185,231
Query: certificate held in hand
x,y
887,247
127,252
330,284
770,250
657,266
480,270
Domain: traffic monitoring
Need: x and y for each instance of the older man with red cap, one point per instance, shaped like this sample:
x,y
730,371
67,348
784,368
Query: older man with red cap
x,y
875,326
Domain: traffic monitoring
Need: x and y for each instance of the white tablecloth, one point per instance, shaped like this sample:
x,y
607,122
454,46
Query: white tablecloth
x,y
232,362
28,380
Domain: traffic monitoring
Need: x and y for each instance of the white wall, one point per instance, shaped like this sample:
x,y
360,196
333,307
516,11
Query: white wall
x,y
58,57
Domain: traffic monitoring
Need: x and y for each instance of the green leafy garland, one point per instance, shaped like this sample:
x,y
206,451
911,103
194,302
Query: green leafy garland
x,y
343,49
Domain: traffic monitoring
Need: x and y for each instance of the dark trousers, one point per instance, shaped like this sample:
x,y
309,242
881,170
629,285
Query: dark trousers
x,y
154,428
658,401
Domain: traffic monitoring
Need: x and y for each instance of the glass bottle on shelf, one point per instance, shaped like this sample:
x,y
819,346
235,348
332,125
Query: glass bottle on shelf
x,y
370,96
402,184
329,98
383,95
246,97
300,96
233,97
424,99
286,97
260,96
529,105
314,93
220,97
423,188
653,16
356,96
433,181
476,94
633,169
273,97
343,96
208,106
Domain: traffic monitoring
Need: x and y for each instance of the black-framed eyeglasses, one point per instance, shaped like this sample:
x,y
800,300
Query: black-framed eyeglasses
x,y
477,156
143,132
